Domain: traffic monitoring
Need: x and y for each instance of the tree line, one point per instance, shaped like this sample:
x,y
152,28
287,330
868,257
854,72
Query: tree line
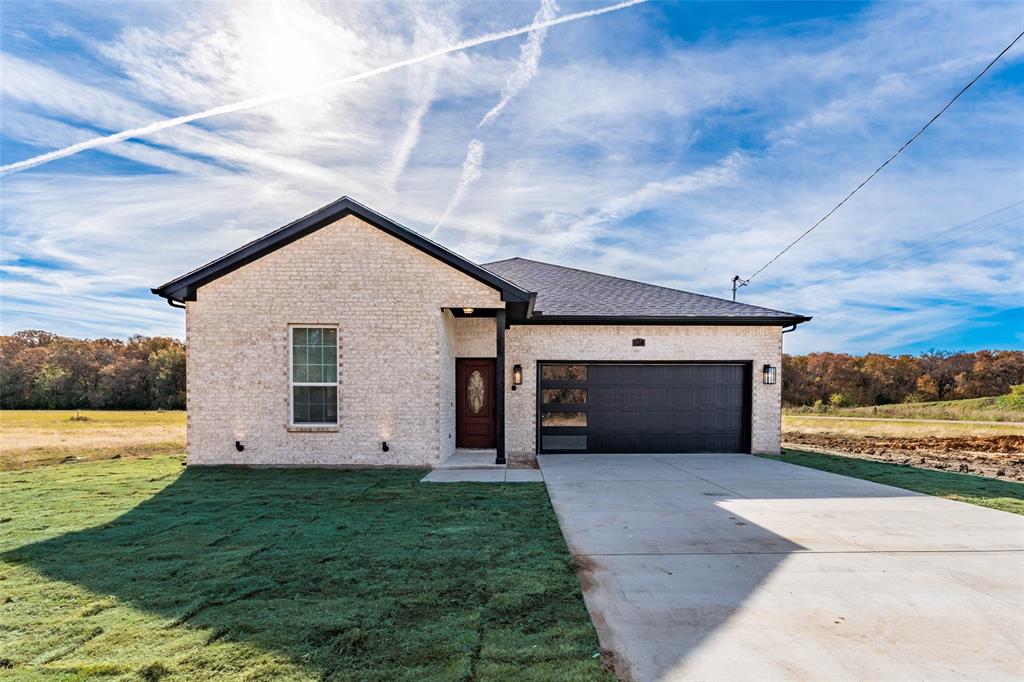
x,y
839,379
40,370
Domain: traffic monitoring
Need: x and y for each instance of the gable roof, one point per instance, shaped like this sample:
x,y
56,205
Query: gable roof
x,y
184,288
534,292
572,295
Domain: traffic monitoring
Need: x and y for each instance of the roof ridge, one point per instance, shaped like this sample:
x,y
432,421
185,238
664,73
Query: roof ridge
x,y
636,281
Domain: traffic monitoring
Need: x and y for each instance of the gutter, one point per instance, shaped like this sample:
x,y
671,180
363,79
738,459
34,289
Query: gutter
x,y
790,321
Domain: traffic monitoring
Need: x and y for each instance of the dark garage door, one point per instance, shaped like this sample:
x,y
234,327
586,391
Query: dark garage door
x,y
644,408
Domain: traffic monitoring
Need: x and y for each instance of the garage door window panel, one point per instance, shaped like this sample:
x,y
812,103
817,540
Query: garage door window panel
x,y
563,418
564,396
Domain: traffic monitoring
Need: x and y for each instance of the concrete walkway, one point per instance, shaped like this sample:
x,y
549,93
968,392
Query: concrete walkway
x,y
730,567
489,475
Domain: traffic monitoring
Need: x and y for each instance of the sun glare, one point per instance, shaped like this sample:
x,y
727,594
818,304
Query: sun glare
x,y
290,45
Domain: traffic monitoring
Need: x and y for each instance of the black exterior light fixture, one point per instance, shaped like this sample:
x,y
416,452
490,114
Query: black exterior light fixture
x,y
384,446
517,376
239,446
770,374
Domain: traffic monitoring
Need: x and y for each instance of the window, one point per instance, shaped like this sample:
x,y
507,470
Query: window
x,y
563,418
563,372
555,396
563,442
314,375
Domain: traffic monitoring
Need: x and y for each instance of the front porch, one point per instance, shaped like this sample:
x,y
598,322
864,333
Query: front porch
x,y
474,400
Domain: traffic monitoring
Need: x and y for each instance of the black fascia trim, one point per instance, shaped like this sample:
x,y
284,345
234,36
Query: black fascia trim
x,y
748,320
184,288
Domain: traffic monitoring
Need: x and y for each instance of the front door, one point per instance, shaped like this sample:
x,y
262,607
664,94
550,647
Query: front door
x,y
474,403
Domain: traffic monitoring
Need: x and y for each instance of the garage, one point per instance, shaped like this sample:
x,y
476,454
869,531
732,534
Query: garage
x,y
618,407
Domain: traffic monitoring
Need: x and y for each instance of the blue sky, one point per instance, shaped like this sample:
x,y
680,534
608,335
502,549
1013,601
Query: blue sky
x,y
676,143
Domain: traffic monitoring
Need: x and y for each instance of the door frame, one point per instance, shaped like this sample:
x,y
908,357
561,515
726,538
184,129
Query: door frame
x,y
748,394
460,400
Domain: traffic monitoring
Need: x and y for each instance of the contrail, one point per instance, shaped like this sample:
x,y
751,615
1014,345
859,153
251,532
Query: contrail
x,y
526,69
274,97
470,174
402,151
529,58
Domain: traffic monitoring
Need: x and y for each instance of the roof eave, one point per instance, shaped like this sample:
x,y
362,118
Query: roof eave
x,y
717,320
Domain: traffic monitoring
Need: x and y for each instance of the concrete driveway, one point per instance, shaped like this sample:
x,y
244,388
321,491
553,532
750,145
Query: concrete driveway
x,y
733,567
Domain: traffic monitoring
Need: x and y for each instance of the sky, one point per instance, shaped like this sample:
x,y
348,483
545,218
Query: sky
x,y
674,143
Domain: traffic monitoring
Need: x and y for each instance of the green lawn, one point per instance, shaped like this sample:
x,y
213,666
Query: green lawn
x,y
987,492
144,570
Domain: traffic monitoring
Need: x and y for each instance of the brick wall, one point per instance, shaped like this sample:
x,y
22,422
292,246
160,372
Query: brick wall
x,y
396,347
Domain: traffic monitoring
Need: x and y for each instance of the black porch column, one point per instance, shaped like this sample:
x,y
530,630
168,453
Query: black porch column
x,y
499,327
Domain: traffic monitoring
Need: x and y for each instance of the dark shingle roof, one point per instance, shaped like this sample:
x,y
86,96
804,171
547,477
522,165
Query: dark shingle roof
x,y
568,292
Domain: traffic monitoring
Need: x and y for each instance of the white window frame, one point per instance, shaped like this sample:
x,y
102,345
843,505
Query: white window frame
x,y
292,383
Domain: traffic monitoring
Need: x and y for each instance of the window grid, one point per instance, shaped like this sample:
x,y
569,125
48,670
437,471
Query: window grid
x,y
313,374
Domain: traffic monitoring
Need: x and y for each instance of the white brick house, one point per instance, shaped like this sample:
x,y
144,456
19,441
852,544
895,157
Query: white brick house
x,y
344,338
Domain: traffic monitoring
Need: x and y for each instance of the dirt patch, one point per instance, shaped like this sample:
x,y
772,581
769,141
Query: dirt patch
x,y
616,666
993,456
586,573
522,461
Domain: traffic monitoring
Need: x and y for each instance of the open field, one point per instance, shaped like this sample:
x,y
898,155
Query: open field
x,y
138,569
1004,495
30,438
972,409
906,428
989,449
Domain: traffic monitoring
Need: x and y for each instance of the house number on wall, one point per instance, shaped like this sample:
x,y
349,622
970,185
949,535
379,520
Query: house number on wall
x,y
475,392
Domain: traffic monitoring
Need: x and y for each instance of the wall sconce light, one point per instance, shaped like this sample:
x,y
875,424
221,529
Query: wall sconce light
x,y
517,376
239,446
384,446
770,374
468,311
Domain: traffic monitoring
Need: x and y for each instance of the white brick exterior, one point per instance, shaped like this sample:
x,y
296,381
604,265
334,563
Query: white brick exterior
x,y
396,373
397,345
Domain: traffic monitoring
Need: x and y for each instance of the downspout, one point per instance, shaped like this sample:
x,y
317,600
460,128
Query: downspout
x,y
174,304
786,330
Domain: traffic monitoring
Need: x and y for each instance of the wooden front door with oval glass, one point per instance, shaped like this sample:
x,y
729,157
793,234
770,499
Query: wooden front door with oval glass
x,y
474,403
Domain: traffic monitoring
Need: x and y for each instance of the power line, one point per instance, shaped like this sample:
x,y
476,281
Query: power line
x,y
887,161
901,252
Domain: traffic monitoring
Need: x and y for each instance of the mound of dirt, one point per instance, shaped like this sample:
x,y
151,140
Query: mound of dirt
x,y
995,456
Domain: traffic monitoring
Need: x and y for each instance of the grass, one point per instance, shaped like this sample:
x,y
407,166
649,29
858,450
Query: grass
x,y
894,427
138,569
986,492
972,409
31,438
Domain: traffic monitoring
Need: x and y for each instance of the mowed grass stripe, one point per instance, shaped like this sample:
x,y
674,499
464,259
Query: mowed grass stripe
x,y
139,568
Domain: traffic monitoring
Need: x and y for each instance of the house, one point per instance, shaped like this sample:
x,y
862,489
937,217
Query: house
x,y
344,338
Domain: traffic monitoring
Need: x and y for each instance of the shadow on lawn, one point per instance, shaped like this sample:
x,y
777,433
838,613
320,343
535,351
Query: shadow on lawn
x,y
350,575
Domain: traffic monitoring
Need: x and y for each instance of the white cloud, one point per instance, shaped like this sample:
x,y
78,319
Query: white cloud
x,y
681,165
